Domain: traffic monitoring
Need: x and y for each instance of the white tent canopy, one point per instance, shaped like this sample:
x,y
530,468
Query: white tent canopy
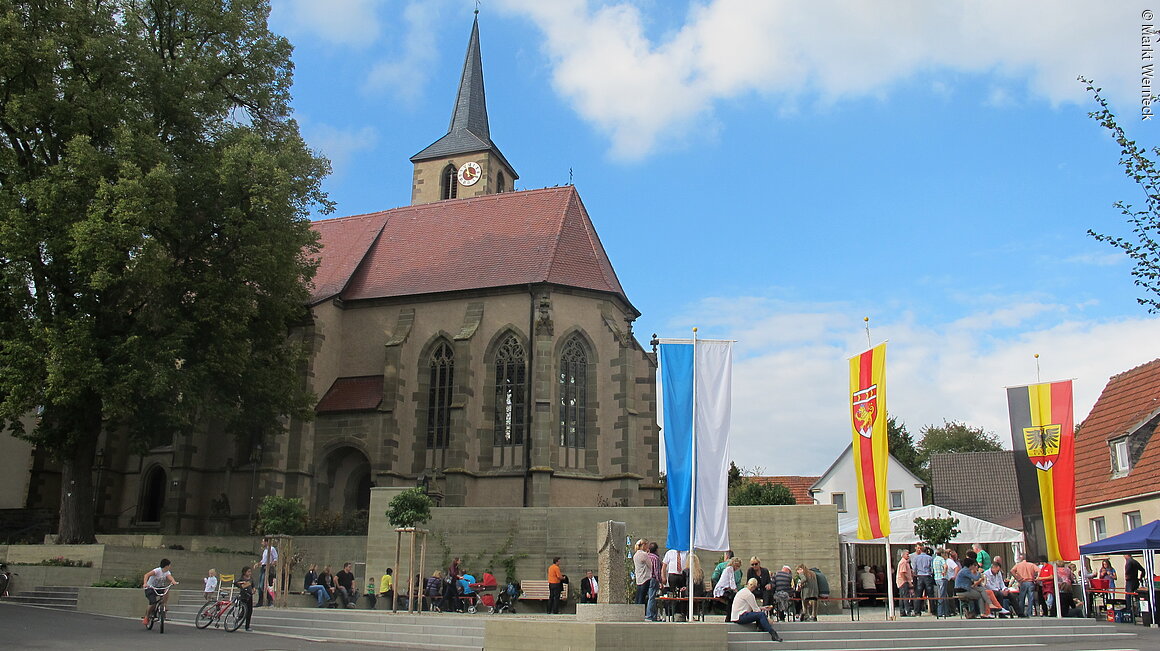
x,y
971,530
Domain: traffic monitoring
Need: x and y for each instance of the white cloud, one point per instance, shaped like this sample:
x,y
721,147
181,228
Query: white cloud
x,y
338,145
345,22
404,76
790,379
638,89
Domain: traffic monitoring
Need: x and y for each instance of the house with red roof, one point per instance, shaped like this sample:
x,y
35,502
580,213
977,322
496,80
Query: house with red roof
x,y
1117,456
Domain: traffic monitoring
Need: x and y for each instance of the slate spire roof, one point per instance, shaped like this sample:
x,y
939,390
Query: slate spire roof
x,y
468,132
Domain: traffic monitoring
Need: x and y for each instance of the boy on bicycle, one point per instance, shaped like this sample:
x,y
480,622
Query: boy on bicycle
x,y
158,577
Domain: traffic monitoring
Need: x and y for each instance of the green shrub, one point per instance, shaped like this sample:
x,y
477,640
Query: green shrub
x,y
281,515
61,561
117,582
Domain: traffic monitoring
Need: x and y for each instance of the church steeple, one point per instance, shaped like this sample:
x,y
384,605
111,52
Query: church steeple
x,y
464,162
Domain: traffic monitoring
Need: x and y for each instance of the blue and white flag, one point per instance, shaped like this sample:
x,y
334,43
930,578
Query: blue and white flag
x,y
696,378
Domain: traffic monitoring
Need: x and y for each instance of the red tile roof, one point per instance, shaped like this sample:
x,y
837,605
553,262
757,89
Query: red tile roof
x,y
352,394
1127,403
497,240
342,245
799,486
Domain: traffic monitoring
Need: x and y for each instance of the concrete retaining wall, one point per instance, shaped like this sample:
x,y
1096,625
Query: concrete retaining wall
x,y
122,602
777,534
30,577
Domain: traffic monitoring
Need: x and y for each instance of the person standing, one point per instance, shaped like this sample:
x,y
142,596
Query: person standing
x,y
808,586
555,586
1025,573
268,564
923,566
211,585
245,585
939,572
656,580
1133,574
641,572
982,557
675,562
904,580
450,601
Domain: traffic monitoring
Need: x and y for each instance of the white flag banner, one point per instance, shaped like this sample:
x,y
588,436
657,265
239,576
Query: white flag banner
x,y
714,403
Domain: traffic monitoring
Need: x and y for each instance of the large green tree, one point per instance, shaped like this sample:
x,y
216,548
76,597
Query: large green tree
x,y
1142,246
154,239
953,436
902,445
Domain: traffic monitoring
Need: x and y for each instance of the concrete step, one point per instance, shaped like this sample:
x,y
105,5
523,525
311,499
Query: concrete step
x,y
412,631
948,635
59,597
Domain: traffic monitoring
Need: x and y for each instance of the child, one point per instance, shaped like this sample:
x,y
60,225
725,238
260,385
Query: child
x,y
372,596
211,585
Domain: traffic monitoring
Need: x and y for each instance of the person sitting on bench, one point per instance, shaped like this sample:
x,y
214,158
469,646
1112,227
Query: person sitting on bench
x,y
967,583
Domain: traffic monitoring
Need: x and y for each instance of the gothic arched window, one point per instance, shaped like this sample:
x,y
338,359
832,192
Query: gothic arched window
x,y
450,183
510,383
499,182
442,383
573,393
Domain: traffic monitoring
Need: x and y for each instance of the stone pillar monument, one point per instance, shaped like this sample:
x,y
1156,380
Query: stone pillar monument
x,y
612,574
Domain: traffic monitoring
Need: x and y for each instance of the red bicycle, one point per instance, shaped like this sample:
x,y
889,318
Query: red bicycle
x,y
228,613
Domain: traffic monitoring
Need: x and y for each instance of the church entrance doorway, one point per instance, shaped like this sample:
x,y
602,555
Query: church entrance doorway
x,y
346,482
152,495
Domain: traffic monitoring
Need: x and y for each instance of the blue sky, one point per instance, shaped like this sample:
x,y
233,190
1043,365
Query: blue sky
x,y
772,172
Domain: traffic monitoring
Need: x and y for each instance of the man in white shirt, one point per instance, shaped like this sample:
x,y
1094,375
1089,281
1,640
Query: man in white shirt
x,y
269,563
996,583
675,563
746,611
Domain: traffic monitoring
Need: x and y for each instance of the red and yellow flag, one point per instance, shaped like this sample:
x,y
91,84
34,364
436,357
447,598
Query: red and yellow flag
x,y
1043,437
871,450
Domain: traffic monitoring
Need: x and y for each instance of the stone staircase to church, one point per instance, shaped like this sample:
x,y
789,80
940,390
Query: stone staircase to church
x,y
947,634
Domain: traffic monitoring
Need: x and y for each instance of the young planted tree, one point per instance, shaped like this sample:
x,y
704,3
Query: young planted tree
x,y
936,531
154,240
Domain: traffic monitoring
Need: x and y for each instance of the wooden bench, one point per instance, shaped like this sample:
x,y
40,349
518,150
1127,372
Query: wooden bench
x,y
538,591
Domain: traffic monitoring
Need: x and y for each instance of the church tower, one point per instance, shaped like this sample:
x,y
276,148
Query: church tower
x,y
465,162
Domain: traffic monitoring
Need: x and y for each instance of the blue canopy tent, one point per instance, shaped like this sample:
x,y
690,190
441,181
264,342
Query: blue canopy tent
x,y
1144,540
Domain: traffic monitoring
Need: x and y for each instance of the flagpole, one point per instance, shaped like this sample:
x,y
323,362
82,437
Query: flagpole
x,y
693,490
866,320
1037,380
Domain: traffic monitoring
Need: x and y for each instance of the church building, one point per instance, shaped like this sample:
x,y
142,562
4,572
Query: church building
x,y
477,343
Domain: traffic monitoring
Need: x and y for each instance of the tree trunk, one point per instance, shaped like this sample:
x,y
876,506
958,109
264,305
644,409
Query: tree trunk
x,y
76,525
